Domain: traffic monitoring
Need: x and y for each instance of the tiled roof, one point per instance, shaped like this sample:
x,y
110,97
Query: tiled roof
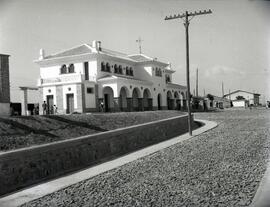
x,y
82,49
173,85
140,58
241,91
115,54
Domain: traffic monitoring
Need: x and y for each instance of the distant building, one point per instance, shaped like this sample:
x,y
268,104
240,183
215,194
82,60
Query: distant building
x,y
242,98
88,78
217,102
4,85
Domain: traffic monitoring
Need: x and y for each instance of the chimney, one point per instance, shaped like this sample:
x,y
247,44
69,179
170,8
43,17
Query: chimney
x,y
41,54
97,45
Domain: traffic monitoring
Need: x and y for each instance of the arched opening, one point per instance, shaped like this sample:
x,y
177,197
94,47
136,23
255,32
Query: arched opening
x,y
183,101
159,99
147,101
123,99
63,69
169,100
108,67
71,68
177,101
135,99
120,70
108,99
103,67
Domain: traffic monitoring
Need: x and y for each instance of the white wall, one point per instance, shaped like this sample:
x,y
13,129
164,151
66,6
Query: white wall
x,y
239,103
73,90
90,98
46,93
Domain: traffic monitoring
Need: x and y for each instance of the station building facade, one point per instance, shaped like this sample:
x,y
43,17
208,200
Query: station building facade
x,y
84,78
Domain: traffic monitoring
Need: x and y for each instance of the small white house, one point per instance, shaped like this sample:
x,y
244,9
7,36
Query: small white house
x,y
242,98
87,77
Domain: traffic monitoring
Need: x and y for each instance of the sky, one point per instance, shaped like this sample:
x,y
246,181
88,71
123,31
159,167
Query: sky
x,y
231,45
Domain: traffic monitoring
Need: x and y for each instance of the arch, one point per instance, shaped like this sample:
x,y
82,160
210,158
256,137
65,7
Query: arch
x,y
71,68
159,101
108,67
103,67
176,95
147,99
123,94
169,100
131,71
108,98
120,70
63,69
183,95
115,68
135,98
127,70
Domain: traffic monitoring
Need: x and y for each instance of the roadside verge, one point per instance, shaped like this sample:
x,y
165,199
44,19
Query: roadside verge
x,y
41,190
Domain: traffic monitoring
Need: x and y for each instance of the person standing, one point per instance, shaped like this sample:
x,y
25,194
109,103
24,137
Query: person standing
x,y
55,109
44,107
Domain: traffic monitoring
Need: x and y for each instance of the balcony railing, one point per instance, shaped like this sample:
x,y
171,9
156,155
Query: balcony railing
x,y
64,79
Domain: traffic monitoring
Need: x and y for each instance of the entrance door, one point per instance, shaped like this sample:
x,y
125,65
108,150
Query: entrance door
x,y
70,103
49,104
106,100
159,102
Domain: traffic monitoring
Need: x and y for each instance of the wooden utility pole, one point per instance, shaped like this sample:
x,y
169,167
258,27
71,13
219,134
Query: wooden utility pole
x,y
197,87
222,89
185,16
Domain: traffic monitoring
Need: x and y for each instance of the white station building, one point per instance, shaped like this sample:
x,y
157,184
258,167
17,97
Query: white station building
x,y
80,79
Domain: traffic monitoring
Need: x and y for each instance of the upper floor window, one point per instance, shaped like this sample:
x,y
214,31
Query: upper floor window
x,y
131,71
63,69
127,71
167,79
108,67
103,67
71,68
158,72
120,70
115,68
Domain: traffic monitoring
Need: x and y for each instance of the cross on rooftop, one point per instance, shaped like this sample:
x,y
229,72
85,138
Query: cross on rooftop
x,y
139,41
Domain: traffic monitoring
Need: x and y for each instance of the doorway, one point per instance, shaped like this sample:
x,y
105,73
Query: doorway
x,y
106,102
70,103
159,101
49,109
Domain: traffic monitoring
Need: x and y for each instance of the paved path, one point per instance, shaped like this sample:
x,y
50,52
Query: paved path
x,y
222,167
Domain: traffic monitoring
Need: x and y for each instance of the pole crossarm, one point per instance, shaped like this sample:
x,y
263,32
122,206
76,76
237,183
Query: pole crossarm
x,y
189,14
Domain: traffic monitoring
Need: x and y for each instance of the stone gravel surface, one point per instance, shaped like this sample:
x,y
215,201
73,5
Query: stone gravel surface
x,y
221,167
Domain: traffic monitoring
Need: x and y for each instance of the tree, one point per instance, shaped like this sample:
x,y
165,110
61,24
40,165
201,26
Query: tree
x,y
210,97
240,98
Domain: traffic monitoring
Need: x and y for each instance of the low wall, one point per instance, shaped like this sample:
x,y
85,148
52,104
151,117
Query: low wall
x,y
24,167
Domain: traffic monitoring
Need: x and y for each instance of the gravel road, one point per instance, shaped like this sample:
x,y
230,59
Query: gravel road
x,y
222,167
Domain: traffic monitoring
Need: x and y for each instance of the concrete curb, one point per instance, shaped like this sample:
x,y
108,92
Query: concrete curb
x,y
262,196
44,189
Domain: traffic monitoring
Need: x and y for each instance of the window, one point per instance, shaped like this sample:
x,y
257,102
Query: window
x,y
115,68
120,70
103,68
63,69
158,72
71,68
90,90
127,71
167,79
130,71
86,71
108,67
